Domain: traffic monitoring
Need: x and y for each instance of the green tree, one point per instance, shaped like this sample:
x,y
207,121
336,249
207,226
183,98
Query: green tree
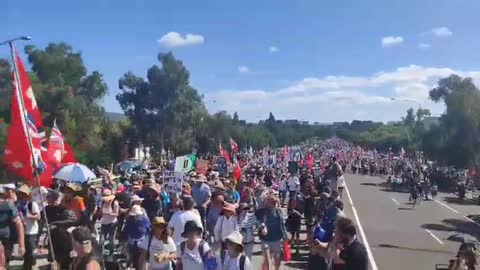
x,y
163,108
459,128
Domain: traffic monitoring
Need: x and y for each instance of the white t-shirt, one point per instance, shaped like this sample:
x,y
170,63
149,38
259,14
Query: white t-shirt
x,y
177,223
191,259
282,185
158,247
107,211
294,183
31,226
234,263
341,181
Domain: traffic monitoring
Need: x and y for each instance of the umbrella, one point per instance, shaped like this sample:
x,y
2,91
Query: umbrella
x,y
75,172
126,165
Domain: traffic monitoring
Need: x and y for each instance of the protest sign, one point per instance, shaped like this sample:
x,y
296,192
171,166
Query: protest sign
x,y
183,164
172,181
202,166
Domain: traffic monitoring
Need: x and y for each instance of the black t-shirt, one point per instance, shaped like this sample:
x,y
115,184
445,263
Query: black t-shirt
x,y
355,257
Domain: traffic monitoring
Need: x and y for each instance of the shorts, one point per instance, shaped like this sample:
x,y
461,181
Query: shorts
x,y
275,248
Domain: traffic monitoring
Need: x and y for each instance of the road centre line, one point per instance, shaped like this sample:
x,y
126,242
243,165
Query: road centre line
x,y
373,264
395,201
434,237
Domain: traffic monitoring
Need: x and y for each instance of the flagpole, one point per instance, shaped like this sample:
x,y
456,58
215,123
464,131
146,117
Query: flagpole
x,y
19,90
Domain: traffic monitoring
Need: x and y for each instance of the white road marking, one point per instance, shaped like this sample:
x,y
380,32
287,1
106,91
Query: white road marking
x,y
434,237
373,264
395,201
446,206
471,220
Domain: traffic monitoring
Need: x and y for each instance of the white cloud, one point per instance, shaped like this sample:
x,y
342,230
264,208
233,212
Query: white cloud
x,y
442,31
391,41
243,69
340,97
423,46
273,49
174,39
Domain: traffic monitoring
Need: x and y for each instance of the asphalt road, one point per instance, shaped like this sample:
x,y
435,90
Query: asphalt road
x,y
400,237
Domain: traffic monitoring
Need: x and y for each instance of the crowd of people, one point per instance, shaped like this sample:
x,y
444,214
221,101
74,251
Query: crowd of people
x,y
213,223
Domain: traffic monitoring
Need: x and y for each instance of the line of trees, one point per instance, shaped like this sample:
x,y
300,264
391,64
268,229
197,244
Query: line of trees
x,y
165,112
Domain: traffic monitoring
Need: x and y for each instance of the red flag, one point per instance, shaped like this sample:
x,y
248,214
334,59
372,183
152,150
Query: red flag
x,y
25,134
310,161
237,173
224,153
68,155
55,147
233,145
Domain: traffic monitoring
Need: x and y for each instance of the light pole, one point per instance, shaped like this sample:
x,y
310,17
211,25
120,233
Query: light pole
x,y
19,90
10,41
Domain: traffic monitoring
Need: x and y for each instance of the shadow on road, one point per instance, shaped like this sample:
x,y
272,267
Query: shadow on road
x,y
369,184
455,225
456,200
297,265
414,249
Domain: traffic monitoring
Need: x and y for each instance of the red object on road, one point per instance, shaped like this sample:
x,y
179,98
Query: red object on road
x,y
287,251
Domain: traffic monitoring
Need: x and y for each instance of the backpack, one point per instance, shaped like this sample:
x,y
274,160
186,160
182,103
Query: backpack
x,y
200,249
208,262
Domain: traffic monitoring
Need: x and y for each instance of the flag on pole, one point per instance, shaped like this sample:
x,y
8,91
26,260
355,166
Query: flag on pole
x,y
25,136
233,145
68,155
56,147
224,153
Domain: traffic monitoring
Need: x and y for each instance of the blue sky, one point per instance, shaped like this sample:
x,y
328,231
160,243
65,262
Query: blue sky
x,y
329,64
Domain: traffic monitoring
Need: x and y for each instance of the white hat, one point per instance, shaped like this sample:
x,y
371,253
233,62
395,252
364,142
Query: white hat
x,y
236,237
136,211
9,186
136,198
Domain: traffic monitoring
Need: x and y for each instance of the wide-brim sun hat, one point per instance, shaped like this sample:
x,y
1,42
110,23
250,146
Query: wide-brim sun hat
x,y
159,221
136,198
25,190
229,207
236,238
136,211
107,195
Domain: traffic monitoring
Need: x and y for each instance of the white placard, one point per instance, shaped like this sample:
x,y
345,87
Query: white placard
x,y
172,181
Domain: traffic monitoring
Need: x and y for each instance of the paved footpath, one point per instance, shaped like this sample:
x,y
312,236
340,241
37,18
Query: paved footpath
x,y
400,237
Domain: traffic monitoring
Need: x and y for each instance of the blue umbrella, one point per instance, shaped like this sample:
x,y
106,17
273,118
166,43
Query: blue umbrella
x,y
126,165
75,172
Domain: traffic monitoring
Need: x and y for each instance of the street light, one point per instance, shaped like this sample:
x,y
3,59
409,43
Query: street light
x,y
15,39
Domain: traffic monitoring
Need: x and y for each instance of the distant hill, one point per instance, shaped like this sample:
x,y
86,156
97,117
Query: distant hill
x,y
116,117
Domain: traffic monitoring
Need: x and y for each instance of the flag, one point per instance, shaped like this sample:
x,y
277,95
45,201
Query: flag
x,y
224,153
233,145
55,148
310,161
237,173
24,150
68,155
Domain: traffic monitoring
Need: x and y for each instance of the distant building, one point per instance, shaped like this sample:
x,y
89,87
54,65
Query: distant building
x,y
341,124
291,122
305,123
